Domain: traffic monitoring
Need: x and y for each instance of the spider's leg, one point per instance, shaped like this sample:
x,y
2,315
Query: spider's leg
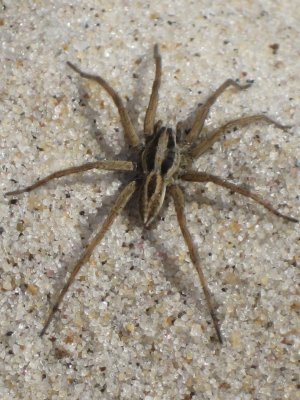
x,y
120,203
129,130
204,109
201,148
194,176
178,198
114,165
152,106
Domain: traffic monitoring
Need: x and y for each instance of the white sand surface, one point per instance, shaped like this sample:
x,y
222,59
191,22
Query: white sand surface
x,y
135,324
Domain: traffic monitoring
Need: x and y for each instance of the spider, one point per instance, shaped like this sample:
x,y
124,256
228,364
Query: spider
x,y
165,158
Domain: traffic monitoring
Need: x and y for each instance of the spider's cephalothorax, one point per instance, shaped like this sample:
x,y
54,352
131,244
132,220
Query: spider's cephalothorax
x,y
162,165
160,161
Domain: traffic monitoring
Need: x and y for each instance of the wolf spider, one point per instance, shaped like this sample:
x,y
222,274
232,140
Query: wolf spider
x,y
165,158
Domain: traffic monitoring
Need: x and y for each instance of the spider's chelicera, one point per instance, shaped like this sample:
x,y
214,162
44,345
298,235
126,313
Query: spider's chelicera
x,y
164,160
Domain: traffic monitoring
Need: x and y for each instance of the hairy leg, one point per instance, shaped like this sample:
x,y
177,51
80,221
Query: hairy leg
x,y
114,165
178,198
120,203
204,109
152,106
203,146
204,177
129,130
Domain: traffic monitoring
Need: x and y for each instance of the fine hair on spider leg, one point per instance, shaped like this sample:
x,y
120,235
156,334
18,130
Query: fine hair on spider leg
x,y
165,159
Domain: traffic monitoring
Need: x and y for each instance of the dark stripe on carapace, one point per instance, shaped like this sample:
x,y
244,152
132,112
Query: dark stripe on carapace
x,y
168,162
150,152
151,187
170,156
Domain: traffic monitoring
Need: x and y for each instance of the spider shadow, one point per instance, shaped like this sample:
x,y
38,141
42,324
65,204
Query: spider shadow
x,y
92,116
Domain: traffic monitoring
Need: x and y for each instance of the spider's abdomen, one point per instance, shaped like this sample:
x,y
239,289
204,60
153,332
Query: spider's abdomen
x,y
160,160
